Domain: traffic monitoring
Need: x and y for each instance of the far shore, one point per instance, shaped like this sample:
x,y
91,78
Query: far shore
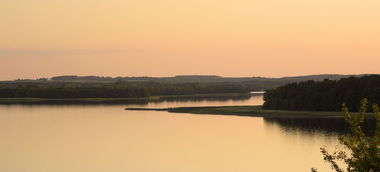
x,y
252,111
32,100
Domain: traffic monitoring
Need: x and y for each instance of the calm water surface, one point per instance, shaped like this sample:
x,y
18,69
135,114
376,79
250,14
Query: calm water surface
x,y
106,138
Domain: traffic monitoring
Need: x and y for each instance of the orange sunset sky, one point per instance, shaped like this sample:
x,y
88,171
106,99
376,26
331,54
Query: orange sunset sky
x,y
271,38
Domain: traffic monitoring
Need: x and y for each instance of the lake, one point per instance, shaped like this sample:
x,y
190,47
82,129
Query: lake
x,y
107,138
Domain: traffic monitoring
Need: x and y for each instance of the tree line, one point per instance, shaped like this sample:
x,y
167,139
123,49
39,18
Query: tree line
x,y
326,95
120,89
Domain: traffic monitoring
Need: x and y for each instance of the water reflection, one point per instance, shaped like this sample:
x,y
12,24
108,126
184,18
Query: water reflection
x,y
100,138
108,138
169,99
326,125
221,98
186,101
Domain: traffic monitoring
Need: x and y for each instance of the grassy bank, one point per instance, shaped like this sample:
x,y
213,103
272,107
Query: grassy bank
x,y
254,111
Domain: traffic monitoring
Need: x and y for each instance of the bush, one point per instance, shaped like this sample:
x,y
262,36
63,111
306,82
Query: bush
x,y
364,150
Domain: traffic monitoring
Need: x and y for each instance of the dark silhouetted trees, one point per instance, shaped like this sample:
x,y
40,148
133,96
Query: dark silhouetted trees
x,y
326,95
119,89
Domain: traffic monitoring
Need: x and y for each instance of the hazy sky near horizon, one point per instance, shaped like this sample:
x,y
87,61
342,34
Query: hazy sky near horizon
x,y
272,38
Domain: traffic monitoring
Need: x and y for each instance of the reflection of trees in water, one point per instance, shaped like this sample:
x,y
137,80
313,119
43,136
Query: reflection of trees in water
x,y
210,98
330,125
220,98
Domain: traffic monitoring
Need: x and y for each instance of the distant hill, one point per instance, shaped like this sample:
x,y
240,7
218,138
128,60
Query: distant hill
x,y
256,83
197,78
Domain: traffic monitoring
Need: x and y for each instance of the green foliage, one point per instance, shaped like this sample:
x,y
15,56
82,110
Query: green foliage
x,y
364,151
326,95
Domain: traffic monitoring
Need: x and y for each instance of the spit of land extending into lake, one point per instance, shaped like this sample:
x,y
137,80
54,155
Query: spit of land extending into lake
x,y
253,111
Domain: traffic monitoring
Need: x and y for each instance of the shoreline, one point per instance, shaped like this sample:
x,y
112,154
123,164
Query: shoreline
x,y
32,100
249,111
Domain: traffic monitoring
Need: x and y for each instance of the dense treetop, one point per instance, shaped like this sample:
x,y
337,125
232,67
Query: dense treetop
x,y
120,89
326,95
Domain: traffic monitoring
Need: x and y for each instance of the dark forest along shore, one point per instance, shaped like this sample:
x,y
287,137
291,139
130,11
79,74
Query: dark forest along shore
x,y
133,101
78,87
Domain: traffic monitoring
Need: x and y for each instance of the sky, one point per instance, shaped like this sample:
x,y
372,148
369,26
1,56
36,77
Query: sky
x,y
270,38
